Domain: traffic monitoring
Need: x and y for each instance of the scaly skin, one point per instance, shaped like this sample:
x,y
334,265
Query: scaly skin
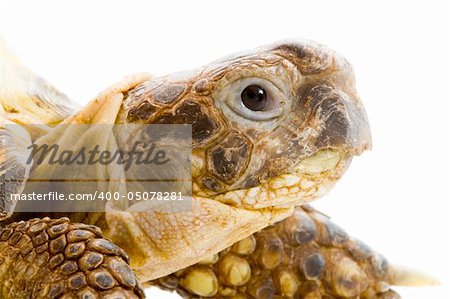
x,y
250,169
304,256
44,258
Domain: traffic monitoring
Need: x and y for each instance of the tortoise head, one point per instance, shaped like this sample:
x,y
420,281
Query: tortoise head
x,y
274,126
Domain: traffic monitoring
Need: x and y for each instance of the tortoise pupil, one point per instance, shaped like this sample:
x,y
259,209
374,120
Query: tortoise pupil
x,y
254,97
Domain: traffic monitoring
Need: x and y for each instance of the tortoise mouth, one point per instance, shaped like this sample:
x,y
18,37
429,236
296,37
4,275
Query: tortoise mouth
x,y
308,180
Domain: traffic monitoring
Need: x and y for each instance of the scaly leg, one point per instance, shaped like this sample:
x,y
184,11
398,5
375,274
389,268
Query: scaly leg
x,y
303,256
46,258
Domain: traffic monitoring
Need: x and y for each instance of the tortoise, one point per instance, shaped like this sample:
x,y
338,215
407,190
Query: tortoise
x,y
272,129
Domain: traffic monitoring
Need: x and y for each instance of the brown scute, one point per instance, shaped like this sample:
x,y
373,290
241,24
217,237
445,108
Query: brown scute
x,y
202,87
350,278
142,112
310,58
230,157
312,266
234,270
389,295
299,228
57,258
380,264
327,110
262,288
337,234
169,93
284,266
270,250
204,126
200,281
212,184
140,93
359,250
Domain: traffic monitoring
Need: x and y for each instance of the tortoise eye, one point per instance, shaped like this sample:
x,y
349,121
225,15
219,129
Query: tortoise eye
x,y
254,97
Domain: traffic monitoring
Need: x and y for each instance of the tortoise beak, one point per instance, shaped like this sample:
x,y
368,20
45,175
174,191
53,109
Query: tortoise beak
x,y
338,118
328,99
358,137
361,136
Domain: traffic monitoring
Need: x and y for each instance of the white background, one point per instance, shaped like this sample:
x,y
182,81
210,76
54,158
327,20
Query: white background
x,y
395,198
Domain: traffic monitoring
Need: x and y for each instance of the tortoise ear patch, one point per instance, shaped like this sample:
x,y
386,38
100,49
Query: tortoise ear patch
x,y
309,57
230,157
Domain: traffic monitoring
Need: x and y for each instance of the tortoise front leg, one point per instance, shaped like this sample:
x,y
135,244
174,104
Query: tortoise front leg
x,y
303,256
54,258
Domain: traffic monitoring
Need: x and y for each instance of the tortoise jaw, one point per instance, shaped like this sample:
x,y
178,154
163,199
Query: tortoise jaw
x,y
310,179
338,129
